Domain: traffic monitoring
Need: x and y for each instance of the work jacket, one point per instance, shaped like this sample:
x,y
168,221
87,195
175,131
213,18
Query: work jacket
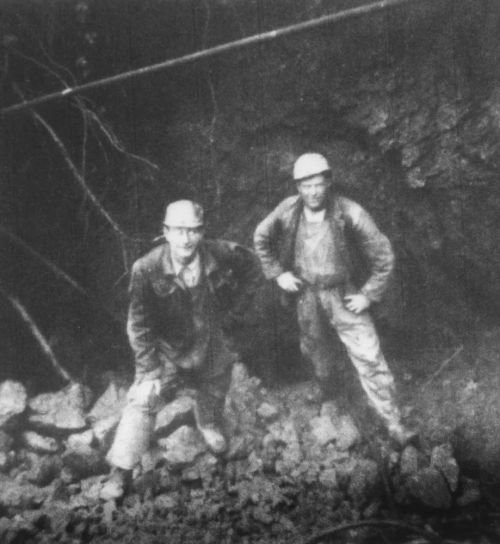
x,y
366,253
161,306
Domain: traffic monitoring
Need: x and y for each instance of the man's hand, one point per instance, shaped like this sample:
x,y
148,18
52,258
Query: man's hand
x,y
289,282
148,390
356,303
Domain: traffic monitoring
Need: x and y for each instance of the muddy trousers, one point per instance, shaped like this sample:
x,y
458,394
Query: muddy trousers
x,y
136,427
318,311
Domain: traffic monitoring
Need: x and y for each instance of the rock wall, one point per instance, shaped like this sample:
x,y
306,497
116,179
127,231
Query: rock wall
x,y
404,103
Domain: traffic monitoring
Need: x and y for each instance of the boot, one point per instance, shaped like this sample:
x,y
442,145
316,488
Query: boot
x,y
402,435
209,430
319,394
213,438
117,484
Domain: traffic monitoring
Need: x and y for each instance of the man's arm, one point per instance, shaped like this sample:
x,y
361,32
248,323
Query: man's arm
x,y
265,244
139,329
245,270
377,249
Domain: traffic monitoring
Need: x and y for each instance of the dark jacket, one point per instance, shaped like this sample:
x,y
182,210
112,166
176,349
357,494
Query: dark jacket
x,y
160,307
366,252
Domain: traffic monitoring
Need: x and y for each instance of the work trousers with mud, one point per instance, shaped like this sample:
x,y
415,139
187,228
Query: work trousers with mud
x,y
321,309
135,430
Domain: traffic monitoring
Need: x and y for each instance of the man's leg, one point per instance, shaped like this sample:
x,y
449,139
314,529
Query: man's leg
x,y
358,334
315,340
209,407
132,437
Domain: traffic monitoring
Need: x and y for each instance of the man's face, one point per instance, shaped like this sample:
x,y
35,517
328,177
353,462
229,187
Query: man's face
x,y
184,242
314,192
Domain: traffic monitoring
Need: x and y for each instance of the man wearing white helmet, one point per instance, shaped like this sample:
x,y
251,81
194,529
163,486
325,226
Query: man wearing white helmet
x,y
181,292
307,245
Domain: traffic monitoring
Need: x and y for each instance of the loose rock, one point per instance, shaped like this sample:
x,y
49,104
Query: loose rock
x,y
323,430
364,481
84,462
408,463
12,400
80,440
104,430
63,411
347,433
429,487
267,412
442,459
44,469
328,478
174,415
38,443
5,442
182,446
20,496
471,492
111,402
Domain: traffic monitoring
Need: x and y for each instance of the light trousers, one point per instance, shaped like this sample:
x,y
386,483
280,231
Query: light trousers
x,y
135,430
321,310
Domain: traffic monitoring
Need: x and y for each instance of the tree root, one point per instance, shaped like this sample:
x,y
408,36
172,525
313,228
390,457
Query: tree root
x,y
430,536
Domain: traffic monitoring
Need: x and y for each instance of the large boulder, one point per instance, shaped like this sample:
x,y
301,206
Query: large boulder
x,y
60,412
12,400
183,446
111,402
174,415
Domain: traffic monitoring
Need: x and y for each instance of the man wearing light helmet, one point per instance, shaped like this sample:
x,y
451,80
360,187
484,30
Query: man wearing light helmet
x,y
306,245
181,293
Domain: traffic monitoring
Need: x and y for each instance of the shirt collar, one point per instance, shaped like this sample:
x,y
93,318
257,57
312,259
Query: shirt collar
x,y
314,217
192,267
206,261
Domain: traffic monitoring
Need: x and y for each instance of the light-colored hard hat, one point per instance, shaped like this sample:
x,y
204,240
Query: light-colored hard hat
x,y
309,165
184,213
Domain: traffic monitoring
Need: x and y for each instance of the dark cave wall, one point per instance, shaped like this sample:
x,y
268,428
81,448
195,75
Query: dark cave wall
x,y
405,104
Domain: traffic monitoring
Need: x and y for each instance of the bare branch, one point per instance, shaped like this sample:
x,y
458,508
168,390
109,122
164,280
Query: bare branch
x,y
442,366
40,65
40,338
58,272
79,178
114,141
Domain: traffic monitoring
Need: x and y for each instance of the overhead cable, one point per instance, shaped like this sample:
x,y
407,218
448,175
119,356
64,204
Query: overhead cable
x,y
210,52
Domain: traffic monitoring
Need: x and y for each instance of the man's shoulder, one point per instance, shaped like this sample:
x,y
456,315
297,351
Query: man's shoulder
x,y
151,259
288,204
220,248
349,208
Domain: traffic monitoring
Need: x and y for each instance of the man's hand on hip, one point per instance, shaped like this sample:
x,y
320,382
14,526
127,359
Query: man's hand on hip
x,y
289,282
356,303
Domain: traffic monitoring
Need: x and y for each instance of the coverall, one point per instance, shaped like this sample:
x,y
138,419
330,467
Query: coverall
x,y
326,257
178,336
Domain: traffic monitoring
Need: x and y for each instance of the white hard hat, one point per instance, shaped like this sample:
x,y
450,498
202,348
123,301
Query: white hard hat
x,y
184,213
309,165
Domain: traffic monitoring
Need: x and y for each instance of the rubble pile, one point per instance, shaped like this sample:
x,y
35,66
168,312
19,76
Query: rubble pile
x,y
293,468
